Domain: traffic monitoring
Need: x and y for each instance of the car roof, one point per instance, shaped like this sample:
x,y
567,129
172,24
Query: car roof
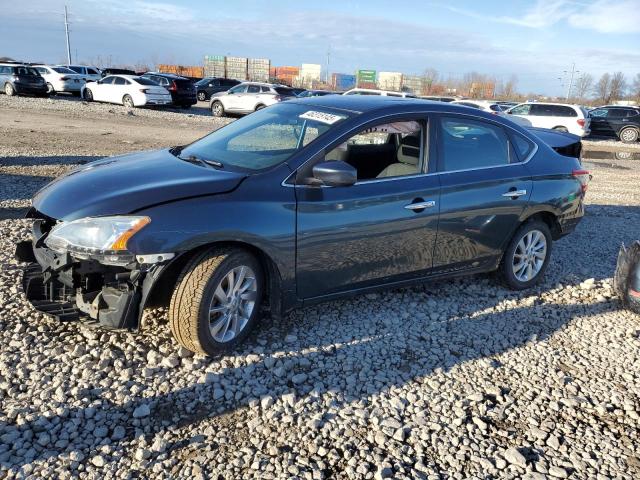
x,y
169,75
390,105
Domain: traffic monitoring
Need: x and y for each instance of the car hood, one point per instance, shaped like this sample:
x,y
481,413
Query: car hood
x,y
124,184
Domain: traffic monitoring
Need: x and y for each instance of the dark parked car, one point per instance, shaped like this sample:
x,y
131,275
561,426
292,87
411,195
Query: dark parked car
x,y
616,121
316,93
116,71
304,201
208,86
21,79
183,92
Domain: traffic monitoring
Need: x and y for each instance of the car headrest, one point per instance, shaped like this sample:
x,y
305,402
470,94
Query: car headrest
x,y
409,150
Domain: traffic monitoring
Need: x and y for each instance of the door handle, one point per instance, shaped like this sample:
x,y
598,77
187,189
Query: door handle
x,y
420,205
514,194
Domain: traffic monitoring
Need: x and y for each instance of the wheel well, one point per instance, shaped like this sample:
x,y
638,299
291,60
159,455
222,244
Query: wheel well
x,y
163,287
260,105
550,219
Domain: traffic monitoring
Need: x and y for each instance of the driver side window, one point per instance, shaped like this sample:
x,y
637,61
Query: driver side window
x,y
383,151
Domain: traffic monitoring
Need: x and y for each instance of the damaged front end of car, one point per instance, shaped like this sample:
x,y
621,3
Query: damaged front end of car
x,y
82,270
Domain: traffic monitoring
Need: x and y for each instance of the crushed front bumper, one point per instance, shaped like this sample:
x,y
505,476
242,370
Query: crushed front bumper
x,y
84,290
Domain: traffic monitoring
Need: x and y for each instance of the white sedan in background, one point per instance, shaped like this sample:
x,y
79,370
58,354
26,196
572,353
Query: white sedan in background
x,y
128,90
491,107
60,79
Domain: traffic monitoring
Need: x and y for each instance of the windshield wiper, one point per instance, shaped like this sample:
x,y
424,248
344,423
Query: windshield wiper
x,y
201,161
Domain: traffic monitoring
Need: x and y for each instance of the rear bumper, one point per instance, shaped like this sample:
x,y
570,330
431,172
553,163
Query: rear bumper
x,y
191,99
34,89
84,290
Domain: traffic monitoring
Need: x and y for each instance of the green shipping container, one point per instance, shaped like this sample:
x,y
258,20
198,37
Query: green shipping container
x,y
366,75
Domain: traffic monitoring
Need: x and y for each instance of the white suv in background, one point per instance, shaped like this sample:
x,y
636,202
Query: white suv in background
x,y
384,93
557,116
249,97
88,72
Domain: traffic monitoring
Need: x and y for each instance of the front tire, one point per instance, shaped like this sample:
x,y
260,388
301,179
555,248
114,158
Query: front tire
x,y
9,90
88,95
216,301
629,135
526,258
202,96
127,101
217,109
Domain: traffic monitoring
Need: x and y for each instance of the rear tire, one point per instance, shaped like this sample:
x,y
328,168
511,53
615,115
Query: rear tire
x,y
127,101
217,109
50,89
561,129
9,90
629,135
527,256
211,311
259,107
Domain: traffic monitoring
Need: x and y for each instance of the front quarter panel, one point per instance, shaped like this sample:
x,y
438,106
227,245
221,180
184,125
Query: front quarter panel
x,y
260,212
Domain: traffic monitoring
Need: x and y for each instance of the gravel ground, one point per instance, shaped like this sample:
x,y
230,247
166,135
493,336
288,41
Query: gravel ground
x,y
459,379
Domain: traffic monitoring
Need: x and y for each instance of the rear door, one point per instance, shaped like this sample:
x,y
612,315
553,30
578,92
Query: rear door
x,y
485,189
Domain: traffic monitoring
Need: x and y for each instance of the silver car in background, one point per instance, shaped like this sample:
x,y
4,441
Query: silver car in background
x,y
61,79
249,97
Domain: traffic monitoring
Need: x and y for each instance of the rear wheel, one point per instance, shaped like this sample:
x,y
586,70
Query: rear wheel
x,y
527,256
202,96
50,89
216,301
561,129
629,135
259,107
9,90
217,109
127,101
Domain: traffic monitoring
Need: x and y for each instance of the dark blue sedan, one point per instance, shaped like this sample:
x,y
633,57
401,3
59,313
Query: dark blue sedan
x,y
298,203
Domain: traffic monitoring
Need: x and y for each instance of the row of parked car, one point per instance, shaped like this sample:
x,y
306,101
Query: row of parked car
x,y
228,96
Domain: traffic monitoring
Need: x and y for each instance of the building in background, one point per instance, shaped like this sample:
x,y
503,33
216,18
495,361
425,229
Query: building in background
x,y
285,75
309,74
389,81
414,84
236,68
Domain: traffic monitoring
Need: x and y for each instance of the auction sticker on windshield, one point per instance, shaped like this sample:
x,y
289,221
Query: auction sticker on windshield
x,y
321,117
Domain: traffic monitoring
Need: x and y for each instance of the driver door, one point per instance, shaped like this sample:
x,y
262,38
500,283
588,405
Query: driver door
x,y
233,99
371,232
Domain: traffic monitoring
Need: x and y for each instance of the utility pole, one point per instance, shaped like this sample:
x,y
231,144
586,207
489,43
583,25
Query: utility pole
x,y
571,75
328,61
66,32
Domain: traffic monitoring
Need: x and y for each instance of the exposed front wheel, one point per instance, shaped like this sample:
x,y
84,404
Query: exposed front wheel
x,y
527,256
216,301
629,135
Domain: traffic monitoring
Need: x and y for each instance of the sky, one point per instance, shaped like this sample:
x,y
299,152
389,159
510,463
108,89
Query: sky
x,y
536,40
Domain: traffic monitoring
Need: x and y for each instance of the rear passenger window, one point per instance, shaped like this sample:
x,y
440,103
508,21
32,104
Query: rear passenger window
x,y
120,81
253,89
470,144
91,71
523,146
521,109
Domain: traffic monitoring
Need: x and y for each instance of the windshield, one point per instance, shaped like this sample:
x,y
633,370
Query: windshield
x,y
63,70
265,138
27,71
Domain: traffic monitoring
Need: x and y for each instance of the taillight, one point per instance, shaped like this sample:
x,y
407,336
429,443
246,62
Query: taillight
x,y
144,90
64,78
279,98
581,122
583,177
173,87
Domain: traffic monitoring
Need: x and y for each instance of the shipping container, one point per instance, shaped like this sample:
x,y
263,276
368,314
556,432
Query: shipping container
x,y
214,65
371,85
258,69
343,81
185,71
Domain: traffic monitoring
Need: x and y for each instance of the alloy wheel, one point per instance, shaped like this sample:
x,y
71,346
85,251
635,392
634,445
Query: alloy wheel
x,y
8,89
629,135
529,255
217,109
202,96
232,304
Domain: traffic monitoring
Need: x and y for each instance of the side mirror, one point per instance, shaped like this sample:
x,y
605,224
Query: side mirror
x,y
335,173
